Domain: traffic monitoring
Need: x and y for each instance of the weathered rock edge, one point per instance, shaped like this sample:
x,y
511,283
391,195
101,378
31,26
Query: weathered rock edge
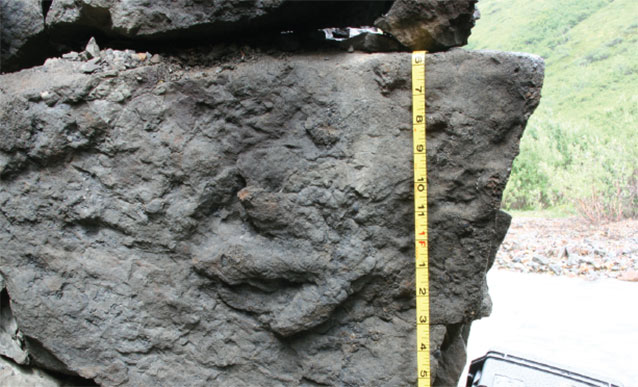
x,y
32,30
431,25
250,224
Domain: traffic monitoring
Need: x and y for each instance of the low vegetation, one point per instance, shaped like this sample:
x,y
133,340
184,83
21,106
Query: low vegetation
x,y
580,149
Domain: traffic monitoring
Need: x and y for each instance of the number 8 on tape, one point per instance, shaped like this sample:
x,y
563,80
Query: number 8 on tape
x,y
421,219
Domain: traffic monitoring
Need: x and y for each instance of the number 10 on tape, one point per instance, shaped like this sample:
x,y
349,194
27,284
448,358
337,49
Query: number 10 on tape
x,y
421,219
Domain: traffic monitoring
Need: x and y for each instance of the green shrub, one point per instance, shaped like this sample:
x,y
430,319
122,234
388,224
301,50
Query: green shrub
x,y
580,148
581,167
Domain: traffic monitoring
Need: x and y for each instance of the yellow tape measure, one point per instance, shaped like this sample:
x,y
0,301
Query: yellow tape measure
x,y
421,219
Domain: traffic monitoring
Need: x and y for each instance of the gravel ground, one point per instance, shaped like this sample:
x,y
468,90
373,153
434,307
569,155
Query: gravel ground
x,y
571,247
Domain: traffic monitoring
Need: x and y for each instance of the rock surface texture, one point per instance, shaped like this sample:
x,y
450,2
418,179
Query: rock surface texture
x,y
21,28
250,223
12,375
430,24
136,19
33,30
232,214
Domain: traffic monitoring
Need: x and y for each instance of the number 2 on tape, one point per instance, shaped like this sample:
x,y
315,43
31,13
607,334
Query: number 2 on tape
x,y
421,219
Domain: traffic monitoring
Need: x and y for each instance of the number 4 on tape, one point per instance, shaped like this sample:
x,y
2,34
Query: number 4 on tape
x,y
421,219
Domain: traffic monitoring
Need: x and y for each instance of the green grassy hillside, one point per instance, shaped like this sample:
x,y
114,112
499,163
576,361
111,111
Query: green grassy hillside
x,y
580,149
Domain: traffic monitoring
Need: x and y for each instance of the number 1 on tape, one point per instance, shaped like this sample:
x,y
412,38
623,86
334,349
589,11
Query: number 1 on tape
x,y
421,219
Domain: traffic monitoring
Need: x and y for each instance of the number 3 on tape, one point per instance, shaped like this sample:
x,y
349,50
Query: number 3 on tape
x,y
421,219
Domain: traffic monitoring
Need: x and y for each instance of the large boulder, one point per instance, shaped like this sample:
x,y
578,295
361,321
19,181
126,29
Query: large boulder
x,y
430,24
250,223
194,18
33,30
21,32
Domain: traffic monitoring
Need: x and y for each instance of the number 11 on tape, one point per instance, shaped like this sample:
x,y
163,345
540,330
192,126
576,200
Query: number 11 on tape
x,y
421,219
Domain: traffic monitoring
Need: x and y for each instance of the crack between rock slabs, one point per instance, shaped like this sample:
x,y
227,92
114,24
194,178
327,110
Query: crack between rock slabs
x,y
46,5
61,378
29,345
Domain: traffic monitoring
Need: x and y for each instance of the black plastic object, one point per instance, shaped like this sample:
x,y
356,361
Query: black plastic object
x,y
498,369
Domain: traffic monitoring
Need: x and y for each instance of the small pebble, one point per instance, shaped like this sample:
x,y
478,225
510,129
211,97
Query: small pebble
x,y
92,49
556,269
540,260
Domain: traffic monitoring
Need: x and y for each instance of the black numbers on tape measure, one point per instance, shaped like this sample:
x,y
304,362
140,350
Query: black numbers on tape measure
x,y
419,119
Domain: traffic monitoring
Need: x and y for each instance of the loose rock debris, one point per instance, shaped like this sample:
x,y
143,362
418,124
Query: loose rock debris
x,y
571,247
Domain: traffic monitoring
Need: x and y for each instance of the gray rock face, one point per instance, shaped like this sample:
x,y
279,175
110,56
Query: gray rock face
x,y
21,28
251,223
175,23
432,25
11,341
16,376
137,19
424,24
